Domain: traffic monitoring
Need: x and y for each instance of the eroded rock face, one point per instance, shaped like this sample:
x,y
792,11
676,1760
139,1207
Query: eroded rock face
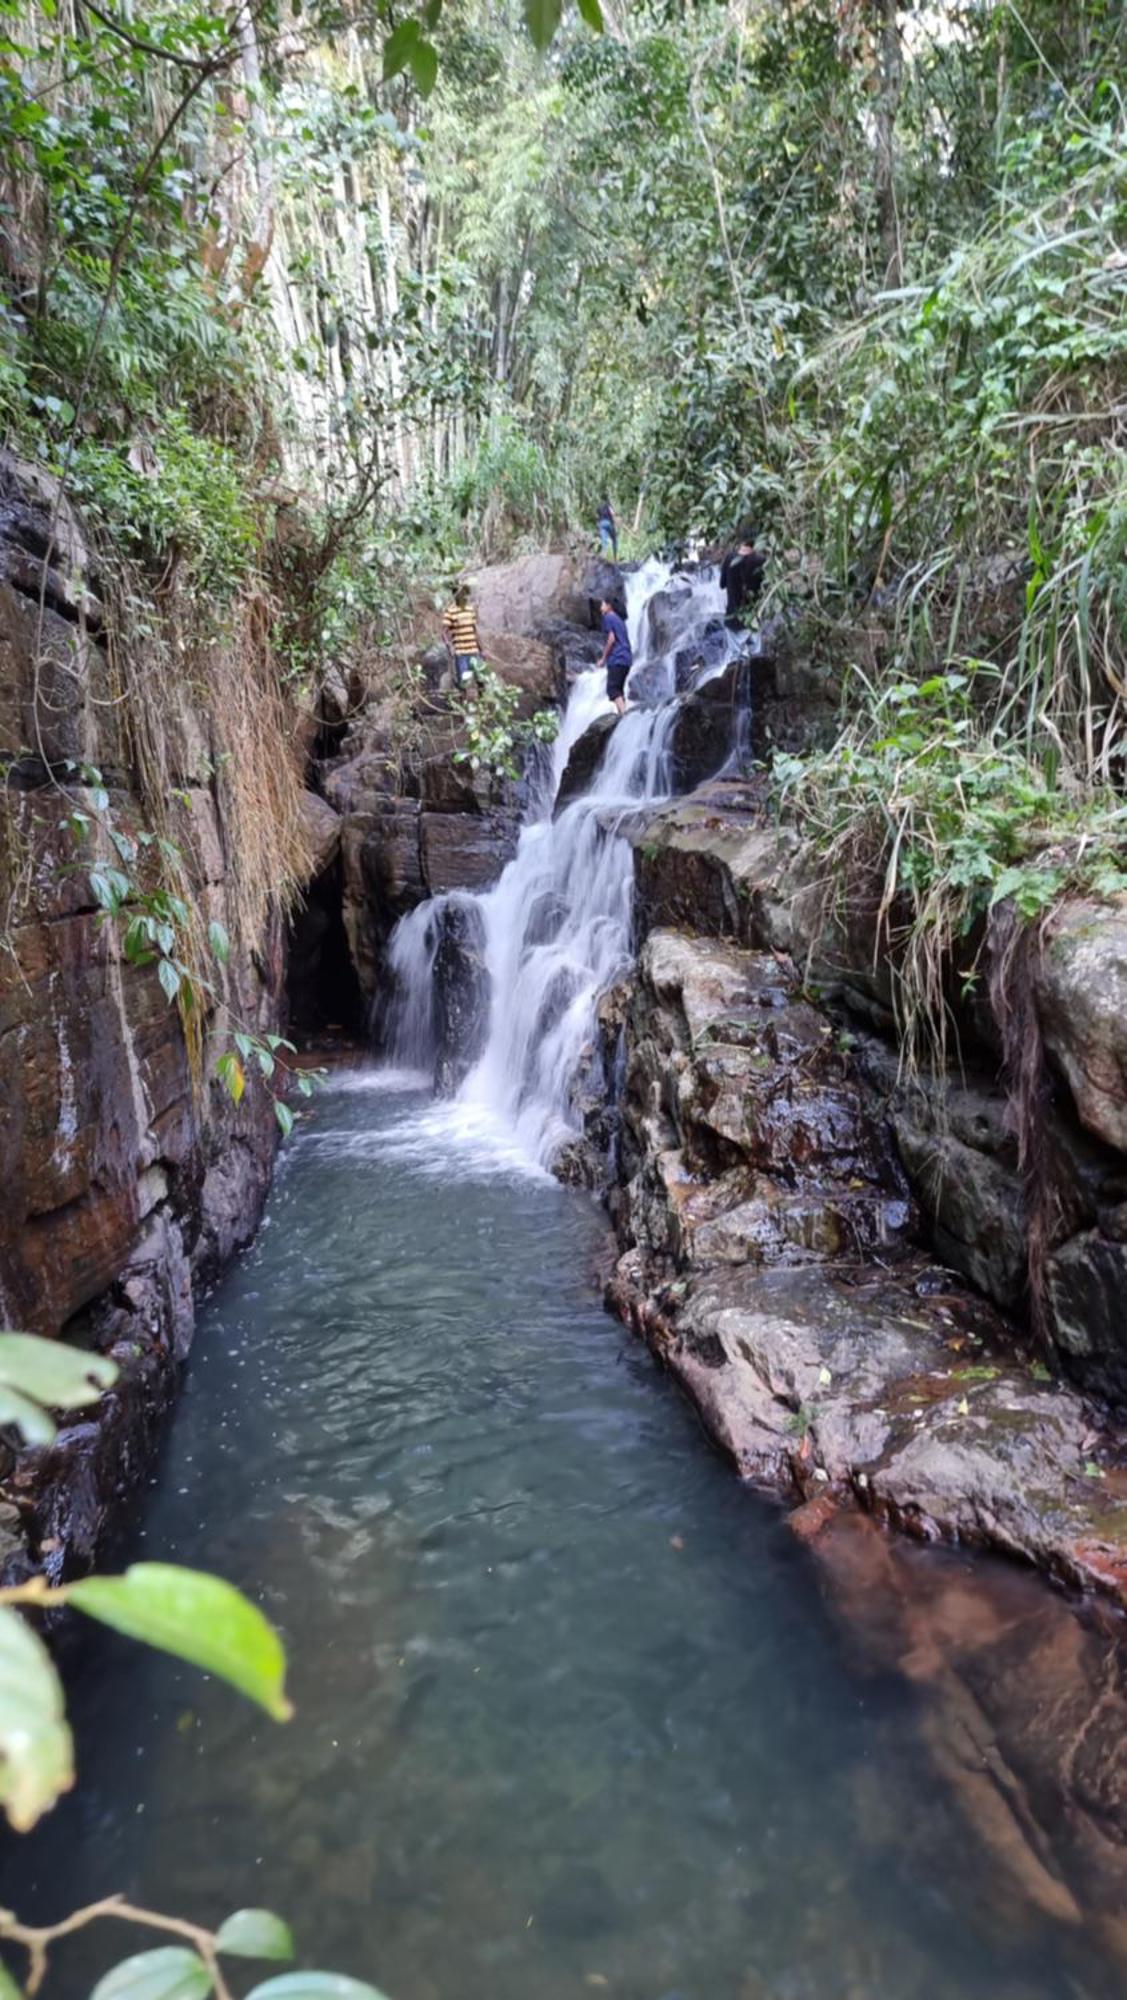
x,y
129,1177
742,1138
713,863
770,1261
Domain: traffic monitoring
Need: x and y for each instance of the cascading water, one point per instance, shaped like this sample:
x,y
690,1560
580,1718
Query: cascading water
x,y
555,930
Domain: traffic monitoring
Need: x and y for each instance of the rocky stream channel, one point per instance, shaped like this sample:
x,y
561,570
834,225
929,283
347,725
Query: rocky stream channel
x,y
579,1710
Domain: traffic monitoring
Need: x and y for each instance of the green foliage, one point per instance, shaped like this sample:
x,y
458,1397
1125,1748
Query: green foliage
x,y
158,927
254,1934
36,1752
940,817
199,1618
487,708
170,1973
507,491
408,48
182,502
38,1376
195,1617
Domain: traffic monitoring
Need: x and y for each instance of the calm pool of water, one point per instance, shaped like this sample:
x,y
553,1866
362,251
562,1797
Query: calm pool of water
x,y
572,1714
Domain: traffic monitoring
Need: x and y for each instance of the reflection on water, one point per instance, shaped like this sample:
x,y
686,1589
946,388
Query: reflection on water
x,y
572,1717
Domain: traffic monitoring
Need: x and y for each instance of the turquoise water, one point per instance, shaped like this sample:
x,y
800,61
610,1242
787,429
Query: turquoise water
x,y
572,1715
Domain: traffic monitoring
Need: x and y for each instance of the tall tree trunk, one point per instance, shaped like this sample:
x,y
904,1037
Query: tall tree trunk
x,y
890,77
262,227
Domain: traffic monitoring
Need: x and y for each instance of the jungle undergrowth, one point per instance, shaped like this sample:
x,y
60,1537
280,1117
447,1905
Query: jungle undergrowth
x,y
929,820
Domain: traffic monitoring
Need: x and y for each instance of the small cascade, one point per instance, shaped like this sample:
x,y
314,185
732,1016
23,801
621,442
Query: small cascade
x,y
555,930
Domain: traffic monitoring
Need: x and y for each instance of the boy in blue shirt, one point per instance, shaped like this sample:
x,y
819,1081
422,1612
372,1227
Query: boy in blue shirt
x,y
618,656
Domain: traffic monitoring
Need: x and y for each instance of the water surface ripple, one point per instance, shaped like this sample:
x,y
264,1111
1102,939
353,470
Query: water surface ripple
x,y
572,1714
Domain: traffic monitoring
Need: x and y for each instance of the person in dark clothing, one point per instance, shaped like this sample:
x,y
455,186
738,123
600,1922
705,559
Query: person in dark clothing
x,y
741,579
608,530
618,655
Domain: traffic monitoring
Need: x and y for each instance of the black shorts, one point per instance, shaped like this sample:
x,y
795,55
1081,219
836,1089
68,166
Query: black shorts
x,y
617,671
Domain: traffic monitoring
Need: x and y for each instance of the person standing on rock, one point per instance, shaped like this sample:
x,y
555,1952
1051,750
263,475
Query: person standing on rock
x,y
618,654
608,530
741,579
459,631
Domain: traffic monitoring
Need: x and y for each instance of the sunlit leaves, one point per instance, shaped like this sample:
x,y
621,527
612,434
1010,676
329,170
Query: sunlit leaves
x,y
36,1753
231,1075
197,1617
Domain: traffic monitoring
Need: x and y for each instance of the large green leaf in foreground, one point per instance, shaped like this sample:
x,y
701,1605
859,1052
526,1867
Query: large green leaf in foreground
x,y
314,1986
169,1973
40,1375
36,1753
254,1934
199,1618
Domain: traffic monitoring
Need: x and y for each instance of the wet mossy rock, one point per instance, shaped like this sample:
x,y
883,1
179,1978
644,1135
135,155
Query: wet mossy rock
x,y
461,987
585,760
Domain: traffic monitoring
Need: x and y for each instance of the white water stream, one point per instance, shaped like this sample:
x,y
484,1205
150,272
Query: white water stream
x,y
557,924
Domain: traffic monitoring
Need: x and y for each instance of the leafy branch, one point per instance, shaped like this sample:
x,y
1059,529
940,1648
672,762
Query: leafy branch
x,y
193,1616
156,923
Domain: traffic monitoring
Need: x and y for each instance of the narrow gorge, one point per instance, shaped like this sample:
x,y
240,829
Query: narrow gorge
x,y
563,1000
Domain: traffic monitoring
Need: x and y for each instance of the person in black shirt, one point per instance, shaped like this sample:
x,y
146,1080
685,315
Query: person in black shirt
x,y
608,530
741,579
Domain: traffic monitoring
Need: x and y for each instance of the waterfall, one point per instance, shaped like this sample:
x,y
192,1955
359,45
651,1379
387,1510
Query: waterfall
x,y
555,930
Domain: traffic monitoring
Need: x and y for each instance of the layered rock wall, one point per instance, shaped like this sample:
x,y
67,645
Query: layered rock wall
x,y
797,1226
716,864
130,1177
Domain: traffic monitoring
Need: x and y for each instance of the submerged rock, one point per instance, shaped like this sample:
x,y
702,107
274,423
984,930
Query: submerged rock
x,y
1021,1701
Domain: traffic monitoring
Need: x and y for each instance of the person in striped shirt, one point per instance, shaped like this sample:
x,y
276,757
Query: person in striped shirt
x,y
459,630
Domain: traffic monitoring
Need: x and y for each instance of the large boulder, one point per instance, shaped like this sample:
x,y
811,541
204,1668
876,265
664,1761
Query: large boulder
x,y
461,992
575,648
743,1137
321,827
515,597
602,580
463,851
1081,993
666,618
1086,1290
975,1206
702,656
704,736
585,760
